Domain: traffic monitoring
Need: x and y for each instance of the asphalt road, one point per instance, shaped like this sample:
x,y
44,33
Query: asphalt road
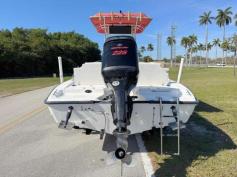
x,y
31,145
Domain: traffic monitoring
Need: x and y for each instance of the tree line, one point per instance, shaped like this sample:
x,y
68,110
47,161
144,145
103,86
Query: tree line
x,y
34,52
191,44
142,50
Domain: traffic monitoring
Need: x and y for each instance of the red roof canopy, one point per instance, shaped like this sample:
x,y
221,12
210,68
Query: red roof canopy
x,y
102,21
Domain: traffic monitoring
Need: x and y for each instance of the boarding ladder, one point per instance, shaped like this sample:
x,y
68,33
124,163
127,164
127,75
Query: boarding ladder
x,y
175,115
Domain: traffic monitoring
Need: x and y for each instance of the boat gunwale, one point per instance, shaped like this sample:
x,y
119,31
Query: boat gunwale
x,y
109,102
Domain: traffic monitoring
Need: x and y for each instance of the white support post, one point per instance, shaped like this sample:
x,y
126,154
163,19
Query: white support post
x,y
180,70
178,126
161,128
60,69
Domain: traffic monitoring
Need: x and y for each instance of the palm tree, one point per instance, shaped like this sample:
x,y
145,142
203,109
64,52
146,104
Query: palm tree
x,y
225,46
142,49
195,50
209,46
234,42
200,47
235,17
185,43
141,52
192,42
223,18
206,19
150,47
216,42
171,41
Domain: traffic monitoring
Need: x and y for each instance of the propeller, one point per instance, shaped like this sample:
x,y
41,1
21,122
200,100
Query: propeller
x,y
120,155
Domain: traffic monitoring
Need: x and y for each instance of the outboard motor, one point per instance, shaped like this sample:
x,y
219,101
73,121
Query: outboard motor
x,y
120,72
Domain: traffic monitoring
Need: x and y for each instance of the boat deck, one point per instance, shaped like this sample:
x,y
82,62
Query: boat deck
x,y
68,92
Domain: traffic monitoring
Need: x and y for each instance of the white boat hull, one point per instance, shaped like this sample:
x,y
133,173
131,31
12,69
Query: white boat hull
x,y
97,116
92,111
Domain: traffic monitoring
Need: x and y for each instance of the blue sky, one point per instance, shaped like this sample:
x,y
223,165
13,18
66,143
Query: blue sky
x,y
73,15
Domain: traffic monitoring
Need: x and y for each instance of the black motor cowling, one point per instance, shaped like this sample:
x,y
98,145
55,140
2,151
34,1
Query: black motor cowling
x,y
120,71
120,59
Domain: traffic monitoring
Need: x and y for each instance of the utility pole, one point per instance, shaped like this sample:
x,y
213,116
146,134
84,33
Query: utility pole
x,y
159,38
173,47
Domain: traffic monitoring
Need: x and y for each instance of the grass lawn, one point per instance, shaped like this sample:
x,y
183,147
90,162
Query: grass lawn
x,y
208,144
14,86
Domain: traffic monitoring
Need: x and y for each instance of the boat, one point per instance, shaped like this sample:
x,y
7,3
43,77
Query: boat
x,y
119,95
